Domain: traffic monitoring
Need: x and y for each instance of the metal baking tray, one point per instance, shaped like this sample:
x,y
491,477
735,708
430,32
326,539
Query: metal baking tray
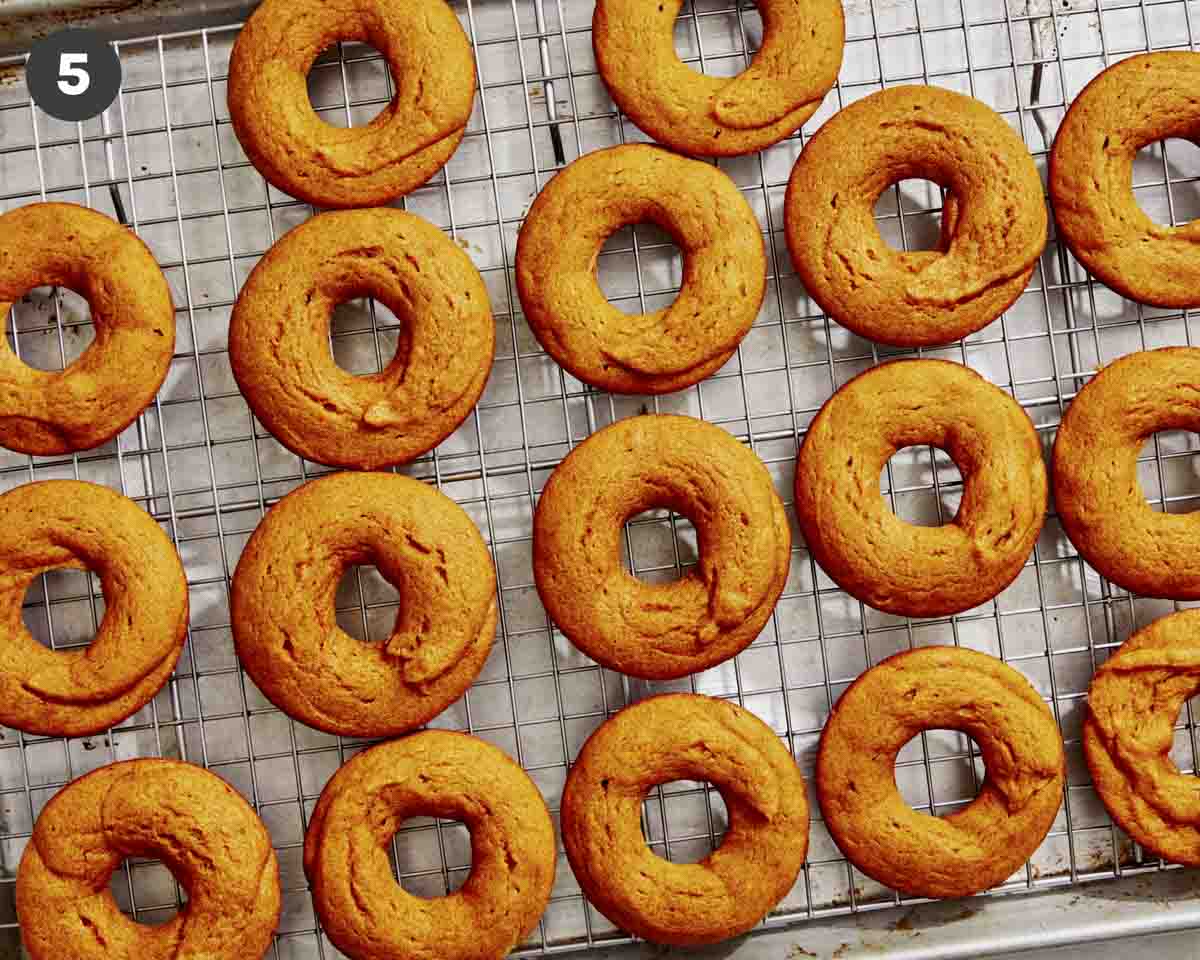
x,y
164,158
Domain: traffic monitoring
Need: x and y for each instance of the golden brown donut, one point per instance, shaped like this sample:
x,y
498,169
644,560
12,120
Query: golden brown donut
x,y
1096,489
976,846
850,528
1133,103
1133,703
282,603
116,378
54,524
683,736
660,631
724,269
201,829
924,297
433,773
795,67
279,338
432,68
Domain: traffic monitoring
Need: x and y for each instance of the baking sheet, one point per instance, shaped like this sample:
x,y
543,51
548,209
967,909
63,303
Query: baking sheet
x,y
165,157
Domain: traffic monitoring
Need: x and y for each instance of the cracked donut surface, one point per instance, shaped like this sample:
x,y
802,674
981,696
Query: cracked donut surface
x,y
852,531
925,297
435,773
724,269
97,396
432,69
279,338
283,592
1134,702
667,630
974,847
685,737
55,524
793,69
1132,104
204,832
1097,493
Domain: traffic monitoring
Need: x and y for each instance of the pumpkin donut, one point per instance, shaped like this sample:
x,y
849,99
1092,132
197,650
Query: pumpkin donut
x,y
724,269
1096,489
440,774
431,64
851,530
204,832
69,523
1133,703
915,298
977,846
116,378
707,116
279,338
685,737
1131,104
660,631
282,603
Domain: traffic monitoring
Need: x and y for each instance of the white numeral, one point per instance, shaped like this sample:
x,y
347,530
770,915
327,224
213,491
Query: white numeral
x,y
73,77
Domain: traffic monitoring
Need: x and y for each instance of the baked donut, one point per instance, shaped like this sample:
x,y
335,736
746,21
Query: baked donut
x,y
282,603
53,524
279,338
851,530
1096,490
660,631
977,846
724,269
434,773
95,398
915,298
1133,103
1133,703
786,81
432,68
684,736
203,831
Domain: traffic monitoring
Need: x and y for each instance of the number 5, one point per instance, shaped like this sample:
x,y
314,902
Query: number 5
x,y
73,77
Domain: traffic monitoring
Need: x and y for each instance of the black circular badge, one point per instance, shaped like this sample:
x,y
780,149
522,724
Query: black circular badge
x,y
73,74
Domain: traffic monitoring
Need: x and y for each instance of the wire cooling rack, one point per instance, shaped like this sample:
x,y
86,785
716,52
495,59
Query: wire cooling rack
x,y
164,159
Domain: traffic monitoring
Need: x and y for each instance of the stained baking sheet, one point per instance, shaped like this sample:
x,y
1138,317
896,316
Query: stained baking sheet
x,y
164,157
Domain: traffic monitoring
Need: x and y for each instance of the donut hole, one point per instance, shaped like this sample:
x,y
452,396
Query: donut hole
x,y
365,336
1185,724
922,485
683,821
349,84
1169,471
1166,181
659,546
640,269
63,608
430,856
727,39
146,891
50,328
939,771
366,604
909,215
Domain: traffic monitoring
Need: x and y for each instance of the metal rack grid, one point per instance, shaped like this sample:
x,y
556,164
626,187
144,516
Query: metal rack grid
x,y
164,159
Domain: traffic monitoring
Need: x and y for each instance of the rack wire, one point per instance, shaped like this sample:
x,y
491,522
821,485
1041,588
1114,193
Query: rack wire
x,y
165,160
